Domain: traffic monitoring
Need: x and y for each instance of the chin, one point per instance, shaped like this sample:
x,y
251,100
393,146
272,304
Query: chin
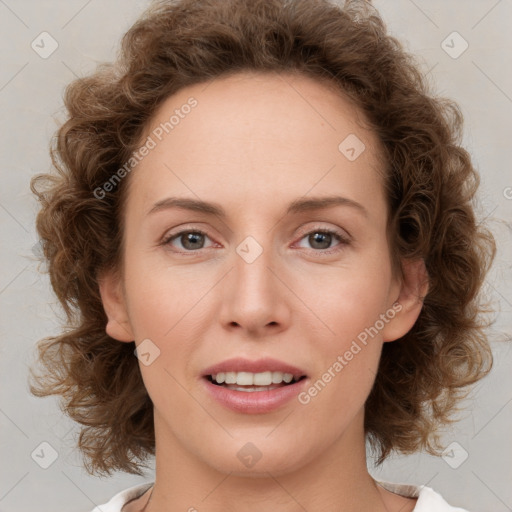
x,y
259,457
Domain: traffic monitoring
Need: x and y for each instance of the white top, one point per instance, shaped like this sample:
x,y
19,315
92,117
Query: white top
x,y
428,499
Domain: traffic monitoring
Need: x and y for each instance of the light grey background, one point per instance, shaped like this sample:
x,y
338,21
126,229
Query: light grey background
x,y
88,32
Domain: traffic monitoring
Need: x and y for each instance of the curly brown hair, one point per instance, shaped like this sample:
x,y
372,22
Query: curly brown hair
x,y
430,183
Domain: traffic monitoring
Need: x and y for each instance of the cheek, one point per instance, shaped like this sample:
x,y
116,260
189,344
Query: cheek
x,y
162,298
346,301
338,394
348,352
164,311
170,307
349,303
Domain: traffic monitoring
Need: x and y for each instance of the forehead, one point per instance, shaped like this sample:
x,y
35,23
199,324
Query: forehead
x,y
253,133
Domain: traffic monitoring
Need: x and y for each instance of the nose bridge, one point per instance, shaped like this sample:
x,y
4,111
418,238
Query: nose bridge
x,y
253,298
253,258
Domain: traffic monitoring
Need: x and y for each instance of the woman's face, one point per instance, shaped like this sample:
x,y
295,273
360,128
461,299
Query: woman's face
x,y
276,275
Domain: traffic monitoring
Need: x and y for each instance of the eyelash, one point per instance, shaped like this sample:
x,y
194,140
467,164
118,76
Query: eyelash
x,y
341,238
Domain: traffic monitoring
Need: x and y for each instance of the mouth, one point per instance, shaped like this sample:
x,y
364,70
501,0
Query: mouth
x,y
253,386
254,393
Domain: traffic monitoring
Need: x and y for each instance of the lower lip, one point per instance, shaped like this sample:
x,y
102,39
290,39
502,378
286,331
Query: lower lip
x,y
254,402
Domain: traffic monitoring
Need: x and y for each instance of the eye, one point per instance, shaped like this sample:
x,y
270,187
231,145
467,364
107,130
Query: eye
x,y
190,240
321,239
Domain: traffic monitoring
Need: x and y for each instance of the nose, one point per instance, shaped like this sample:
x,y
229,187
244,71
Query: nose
x,y
255,296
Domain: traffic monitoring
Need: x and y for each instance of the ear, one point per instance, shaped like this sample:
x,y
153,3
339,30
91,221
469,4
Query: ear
x,y
412,290
114,304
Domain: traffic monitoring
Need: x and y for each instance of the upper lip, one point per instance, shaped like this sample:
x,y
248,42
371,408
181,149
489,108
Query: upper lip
x,y
239,364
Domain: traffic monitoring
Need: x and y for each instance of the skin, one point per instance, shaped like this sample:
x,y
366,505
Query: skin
x,y
254,143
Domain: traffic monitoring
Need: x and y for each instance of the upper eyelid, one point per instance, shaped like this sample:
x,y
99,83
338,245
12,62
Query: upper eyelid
x,y
304,231
337,230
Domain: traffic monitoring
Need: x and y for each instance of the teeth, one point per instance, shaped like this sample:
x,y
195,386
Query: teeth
x,y
251,389
252,379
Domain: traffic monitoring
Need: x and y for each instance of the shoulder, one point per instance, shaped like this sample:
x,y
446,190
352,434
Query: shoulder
x,y
427,499
122,498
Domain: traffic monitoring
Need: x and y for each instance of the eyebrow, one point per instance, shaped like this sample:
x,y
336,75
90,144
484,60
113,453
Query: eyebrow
x,y
296,206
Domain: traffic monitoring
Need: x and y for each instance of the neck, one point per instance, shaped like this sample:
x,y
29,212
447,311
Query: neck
x,y
337,479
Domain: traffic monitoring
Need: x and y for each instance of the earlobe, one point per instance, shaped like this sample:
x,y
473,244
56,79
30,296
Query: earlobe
x,y
118,325
413,289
